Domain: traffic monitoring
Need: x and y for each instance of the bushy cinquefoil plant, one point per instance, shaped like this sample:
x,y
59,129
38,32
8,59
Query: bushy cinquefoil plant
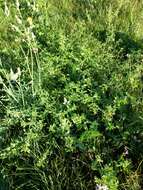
x,y
71,114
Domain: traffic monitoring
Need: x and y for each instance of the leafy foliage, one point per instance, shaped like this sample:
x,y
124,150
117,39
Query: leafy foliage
x,y
71,107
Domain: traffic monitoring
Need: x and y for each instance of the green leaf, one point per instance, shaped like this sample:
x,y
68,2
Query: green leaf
x,y
88,135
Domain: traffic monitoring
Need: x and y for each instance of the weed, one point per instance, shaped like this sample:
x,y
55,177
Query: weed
x,y
71,94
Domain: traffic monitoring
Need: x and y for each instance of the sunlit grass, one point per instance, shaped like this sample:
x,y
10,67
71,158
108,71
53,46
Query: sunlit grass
x,y
71,94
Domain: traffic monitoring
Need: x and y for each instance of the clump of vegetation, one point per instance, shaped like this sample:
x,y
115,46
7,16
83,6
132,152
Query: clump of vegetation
x,y
71,79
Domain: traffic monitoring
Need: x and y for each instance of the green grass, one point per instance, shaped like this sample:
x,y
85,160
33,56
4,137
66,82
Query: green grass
x,y
71,85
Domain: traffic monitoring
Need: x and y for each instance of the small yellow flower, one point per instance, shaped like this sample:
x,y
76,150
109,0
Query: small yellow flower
x,y
30,21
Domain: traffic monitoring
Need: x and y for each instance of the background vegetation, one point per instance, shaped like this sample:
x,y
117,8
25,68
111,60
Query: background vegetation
x,y
71,87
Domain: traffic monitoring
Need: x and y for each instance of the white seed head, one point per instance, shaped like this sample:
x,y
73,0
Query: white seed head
x,y
17,4
6,9
65,101
14,76
101,187
19,21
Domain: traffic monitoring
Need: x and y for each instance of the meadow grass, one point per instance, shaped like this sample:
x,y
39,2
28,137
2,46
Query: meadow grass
x,y
71,108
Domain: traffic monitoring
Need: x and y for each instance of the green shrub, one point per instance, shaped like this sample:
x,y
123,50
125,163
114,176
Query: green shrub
x,y
71,118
